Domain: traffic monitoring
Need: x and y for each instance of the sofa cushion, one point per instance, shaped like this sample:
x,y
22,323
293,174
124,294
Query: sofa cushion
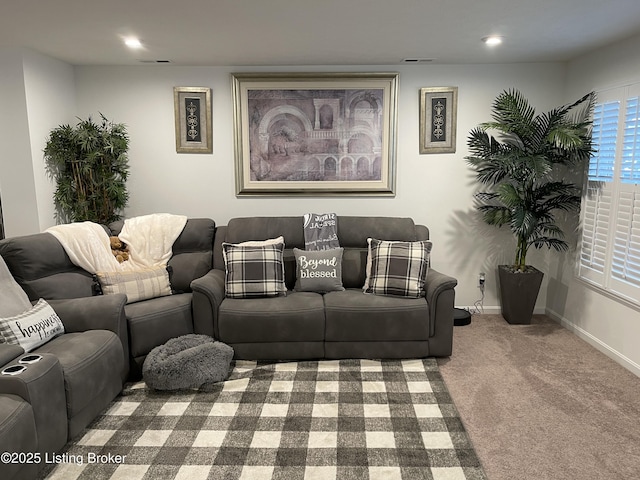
x,y
136,285
397,268
353,316
319,270
354,231
153,322
262,228
298,317
43,269
91,363
254,271
352,235
33,328
17,434
192,252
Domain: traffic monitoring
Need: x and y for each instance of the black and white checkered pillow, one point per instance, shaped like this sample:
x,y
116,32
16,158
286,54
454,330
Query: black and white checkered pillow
x,y
398,268
137,285
254,271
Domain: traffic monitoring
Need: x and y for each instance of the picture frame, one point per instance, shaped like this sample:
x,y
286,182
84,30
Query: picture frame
x,y
192,109
438,119
315,133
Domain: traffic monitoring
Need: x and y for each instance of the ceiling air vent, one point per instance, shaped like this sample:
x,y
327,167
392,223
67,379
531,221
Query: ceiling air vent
x,y
417,60
155,61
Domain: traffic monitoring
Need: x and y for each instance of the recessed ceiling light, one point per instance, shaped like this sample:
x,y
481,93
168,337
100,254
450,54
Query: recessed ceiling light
x,y
132,42
492,40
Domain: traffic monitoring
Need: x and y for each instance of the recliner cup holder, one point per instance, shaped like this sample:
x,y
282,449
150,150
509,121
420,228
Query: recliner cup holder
x,y
14,370
28,359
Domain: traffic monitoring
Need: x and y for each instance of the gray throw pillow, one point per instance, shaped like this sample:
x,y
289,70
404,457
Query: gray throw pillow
x,y
13,300
318,271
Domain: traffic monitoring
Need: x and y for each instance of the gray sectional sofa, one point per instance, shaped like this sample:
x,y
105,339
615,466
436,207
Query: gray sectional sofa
x,y
338,324
40,265
51,394
106,340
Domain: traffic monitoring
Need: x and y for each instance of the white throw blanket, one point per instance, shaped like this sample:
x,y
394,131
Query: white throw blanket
x,y
149,238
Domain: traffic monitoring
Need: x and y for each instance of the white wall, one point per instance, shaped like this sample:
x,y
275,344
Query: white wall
x,y
17,187
435,190
608,324
37,94
50,99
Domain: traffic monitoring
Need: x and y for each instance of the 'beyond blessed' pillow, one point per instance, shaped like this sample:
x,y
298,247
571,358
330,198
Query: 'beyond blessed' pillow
x,y
32,328
318,270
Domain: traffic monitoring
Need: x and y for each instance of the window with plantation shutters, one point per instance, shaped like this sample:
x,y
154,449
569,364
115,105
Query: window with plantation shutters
x,y
610,244
605,133
595,231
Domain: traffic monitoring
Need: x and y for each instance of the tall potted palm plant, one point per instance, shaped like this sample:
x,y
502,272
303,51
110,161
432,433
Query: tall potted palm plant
x,y
521,171
90,165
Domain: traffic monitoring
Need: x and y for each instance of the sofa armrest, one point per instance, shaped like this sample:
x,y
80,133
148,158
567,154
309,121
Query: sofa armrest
x,y
102,312
9,353
440,296
208,294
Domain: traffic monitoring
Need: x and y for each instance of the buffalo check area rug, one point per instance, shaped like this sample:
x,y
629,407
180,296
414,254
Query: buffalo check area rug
x,y
309,420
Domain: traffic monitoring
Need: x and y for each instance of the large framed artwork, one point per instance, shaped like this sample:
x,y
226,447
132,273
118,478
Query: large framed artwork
x,y
192,108
315,133
438,110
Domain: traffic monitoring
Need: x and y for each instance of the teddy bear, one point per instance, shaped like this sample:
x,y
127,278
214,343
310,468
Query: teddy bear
x,y
119,249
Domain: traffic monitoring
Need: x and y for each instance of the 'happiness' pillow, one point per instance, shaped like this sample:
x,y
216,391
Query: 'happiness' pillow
x,y
32,328
318,270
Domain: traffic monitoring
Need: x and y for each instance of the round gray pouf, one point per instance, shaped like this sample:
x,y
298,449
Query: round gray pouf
x,y
190,361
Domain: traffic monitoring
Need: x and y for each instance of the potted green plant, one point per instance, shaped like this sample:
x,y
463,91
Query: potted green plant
x,y
523,172
90,165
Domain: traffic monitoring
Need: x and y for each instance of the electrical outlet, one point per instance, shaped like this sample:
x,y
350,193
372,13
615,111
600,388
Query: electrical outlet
x,y
481,280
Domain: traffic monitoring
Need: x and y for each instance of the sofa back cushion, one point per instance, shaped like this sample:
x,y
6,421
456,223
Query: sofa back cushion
x,y
352,234
43,269
192,252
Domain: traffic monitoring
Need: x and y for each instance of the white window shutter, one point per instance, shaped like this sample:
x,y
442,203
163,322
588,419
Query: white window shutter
x,y
605,134
596,210
630,164
610,244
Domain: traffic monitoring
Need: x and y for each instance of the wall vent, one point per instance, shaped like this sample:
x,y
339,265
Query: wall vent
x,y
417,60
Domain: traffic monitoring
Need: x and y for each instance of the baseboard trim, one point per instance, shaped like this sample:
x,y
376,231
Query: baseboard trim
x,y
595,342
496,310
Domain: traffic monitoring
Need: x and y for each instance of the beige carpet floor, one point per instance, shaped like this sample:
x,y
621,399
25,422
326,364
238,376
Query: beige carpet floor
x,y
540,403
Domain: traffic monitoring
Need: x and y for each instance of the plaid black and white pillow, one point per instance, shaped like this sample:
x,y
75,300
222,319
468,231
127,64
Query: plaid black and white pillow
x,y
254,271
398,268
137,285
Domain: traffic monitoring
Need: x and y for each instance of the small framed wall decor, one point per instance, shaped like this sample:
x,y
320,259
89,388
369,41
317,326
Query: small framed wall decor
x,y
438,112
192,107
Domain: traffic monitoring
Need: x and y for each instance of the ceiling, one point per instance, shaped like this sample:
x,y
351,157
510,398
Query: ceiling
x,y
314,32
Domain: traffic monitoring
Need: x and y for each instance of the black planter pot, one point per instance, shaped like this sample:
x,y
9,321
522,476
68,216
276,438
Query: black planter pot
x,y
518,293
